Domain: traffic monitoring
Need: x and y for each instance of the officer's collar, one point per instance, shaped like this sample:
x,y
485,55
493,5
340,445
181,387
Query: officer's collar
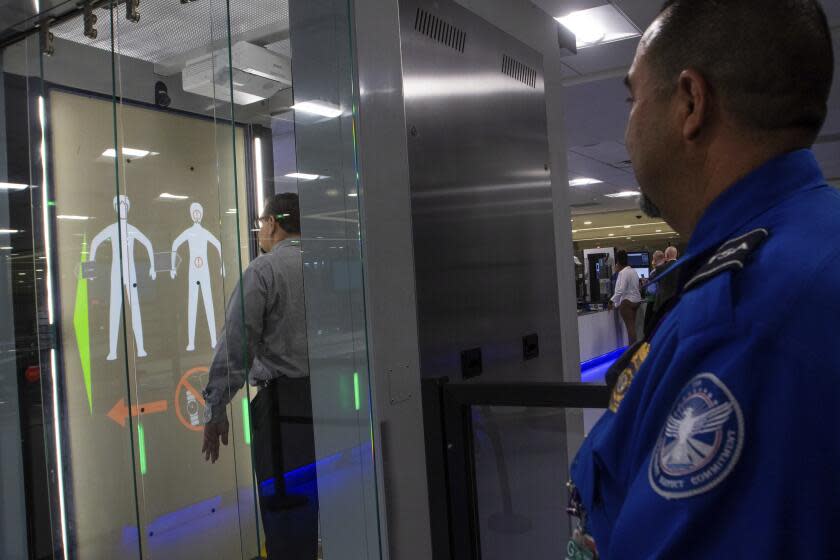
x,y
743,202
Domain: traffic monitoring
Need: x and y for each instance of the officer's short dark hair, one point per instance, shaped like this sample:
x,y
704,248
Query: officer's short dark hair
x,y
770,62
621,257
285,208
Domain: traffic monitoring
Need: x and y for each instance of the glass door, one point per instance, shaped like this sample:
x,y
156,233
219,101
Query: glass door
x,y
188,245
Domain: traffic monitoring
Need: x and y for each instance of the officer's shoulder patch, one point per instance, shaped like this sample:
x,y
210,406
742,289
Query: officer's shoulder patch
x,y
701,441
730,256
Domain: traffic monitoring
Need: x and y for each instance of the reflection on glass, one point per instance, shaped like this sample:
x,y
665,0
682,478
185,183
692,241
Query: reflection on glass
x,y
522,465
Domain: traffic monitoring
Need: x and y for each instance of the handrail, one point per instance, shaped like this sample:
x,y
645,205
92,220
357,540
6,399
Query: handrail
x,y
534,394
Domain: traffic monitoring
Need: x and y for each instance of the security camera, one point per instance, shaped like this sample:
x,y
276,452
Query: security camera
x,y
162,98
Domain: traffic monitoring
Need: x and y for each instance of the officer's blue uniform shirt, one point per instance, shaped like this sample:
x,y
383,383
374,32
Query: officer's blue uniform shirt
x,y
727,442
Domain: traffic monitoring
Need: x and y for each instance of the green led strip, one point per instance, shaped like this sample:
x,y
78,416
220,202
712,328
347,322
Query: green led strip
x,y
246,420
141,444
356,390
81,326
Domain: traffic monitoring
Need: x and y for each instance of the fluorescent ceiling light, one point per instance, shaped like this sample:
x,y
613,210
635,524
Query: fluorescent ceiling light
x,y
71,217
596,26
5,248
623,194
627,227
9,231
659,231
12,186
612,235
318,108
302,176
231,211
587,223
173,196
128,152
584,181
353,195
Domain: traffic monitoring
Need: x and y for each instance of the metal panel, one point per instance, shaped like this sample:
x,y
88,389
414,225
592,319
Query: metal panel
x,y
482,203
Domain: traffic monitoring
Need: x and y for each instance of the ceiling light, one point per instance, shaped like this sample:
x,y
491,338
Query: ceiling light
x,y
5,248
231,211
8,231
587,223
71,217
302,176
12,186
353,195
319,108
627,227
169,196
582,181
623,194
596,26
128,152
659,231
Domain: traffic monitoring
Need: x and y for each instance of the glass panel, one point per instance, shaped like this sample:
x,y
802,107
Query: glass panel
x,y
182,189
145,145
522,458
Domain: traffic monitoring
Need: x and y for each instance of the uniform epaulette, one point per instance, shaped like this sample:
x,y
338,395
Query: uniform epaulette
x,y
732,255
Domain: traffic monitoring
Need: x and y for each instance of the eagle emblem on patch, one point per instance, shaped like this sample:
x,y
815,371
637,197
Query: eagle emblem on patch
x,y
701,441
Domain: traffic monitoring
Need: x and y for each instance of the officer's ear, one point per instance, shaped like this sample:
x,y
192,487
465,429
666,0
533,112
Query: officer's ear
x,y
694,103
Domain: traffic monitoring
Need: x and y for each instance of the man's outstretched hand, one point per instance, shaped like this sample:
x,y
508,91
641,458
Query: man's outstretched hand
x,y
213,431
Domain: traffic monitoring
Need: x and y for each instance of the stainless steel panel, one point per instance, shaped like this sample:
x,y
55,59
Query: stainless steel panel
x,y
481,194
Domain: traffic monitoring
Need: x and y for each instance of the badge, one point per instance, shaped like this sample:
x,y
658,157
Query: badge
x,y
701,441
625,378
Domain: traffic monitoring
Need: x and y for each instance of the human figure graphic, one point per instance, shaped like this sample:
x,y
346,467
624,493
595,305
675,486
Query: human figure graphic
x,y
198,238
122,236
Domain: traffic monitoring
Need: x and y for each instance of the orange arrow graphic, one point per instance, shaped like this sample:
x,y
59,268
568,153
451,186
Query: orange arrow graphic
x,y
119,413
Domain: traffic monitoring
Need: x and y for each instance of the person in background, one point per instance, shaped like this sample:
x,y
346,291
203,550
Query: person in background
x,y
627,296
264,342
671,254
657,260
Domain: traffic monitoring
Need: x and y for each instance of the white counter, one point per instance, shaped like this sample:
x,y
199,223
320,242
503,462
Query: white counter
x,y
600,333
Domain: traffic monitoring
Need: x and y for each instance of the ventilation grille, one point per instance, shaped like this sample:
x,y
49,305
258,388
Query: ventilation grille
x,y
519,71
435,28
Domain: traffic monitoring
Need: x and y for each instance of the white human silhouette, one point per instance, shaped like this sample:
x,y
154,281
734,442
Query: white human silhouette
x,y
198,238
122,236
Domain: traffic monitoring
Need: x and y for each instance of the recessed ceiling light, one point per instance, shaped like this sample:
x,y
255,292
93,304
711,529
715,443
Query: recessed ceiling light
x,y
302,176
170,196
627,227
659,231
12,186
128,152
5,248
596,26
353,195
9,231
612,235
587,223
623,194
231,211
582,181
319,108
